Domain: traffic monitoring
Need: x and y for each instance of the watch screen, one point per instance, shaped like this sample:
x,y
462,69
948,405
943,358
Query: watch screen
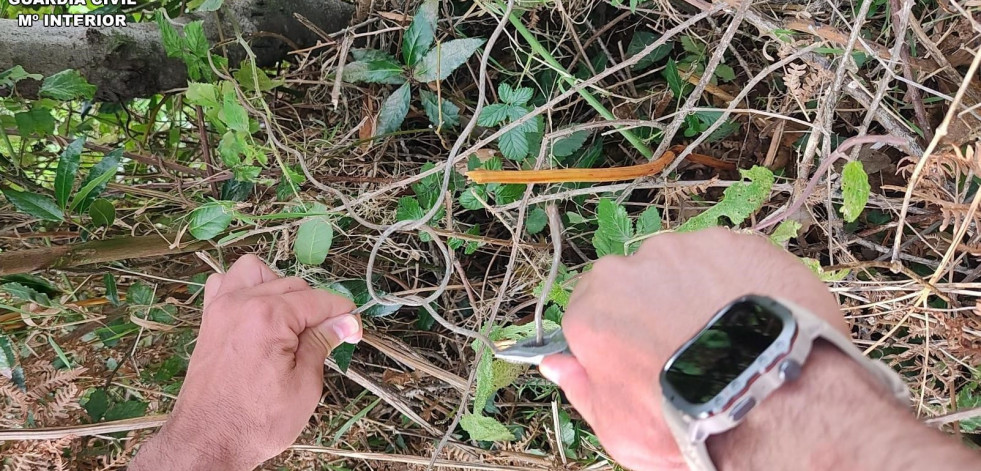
x,y
723,351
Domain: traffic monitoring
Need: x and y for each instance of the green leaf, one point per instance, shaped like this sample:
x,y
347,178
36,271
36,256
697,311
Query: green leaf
x,y
108,165
171,41
368,55
725,73
472,197
641,40
196,41
112,292
25,293
126,410
15,74
102,212
67,85
393,111
67,168
37,120
209,5
36,205
568,145
649,221
140,294
514,96
785,231
739,201
375,71
248,75
210,220
313,241
419,37
708,118
514,144
342,355
97,404
443,59
507,194
677,84
202,94
854,190
408,209
690,46
431,104
536,220
486,429
492,115
234,114
614,229
9,367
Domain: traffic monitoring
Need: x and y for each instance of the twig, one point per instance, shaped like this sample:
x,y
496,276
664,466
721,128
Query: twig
x,y
206,151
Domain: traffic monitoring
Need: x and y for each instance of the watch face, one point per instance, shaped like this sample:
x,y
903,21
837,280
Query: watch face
x,y
724,349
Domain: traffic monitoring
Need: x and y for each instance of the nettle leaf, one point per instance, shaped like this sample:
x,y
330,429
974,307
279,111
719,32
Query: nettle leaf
x,y
67,85
568,145
25,293
209,5
313,241
708,118
435,107
102,212
233,113
536,221
421,33
485,428
854,190
202,94
210,220
507,194
641,40
408,209
443,59
649,221
393,111
37,120
785,231
613,230
472,197
15,74
514,144
678,85
725,73
739,201
140,294
171,40
67,168
342,355
374,71
39,206
514,96
492,115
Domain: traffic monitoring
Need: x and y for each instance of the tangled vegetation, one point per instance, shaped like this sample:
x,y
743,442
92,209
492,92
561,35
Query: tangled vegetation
x,y
847,133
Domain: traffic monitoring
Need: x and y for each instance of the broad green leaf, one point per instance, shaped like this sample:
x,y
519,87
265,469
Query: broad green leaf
x,y
649,221
172,42
234,114
195,39
67,85
824,275
67,168
708,118
210,220
514,96
108,165
785,231
443,59
36,205
486,429
368,55
202,94
419,37
15,74
375,71
409,209
854,190
25,293
112,292
473,197
9,366
249,74
209,5
969,397
126,410
492,115
739,201
140,294
236,190
37,120
568,145
102,212
678,85
514,144
613,229
431,104
97,404
231,148
507,194
342,355
313,241
725,73
536,220
393,111
691,46
641,40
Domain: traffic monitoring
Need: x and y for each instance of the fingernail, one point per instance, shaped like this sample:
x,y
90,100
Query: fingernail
x,y
347,328
549,373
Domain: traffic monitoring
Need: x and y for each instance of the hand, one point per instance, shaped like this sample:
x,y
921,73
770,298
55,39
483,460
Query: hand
x,y
629,314
256,374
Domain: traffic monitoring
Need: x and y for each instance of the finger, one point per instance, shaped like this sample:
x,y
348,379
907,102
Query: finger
x,y
569,374
211,287
307,308
280,286
319,340
246,272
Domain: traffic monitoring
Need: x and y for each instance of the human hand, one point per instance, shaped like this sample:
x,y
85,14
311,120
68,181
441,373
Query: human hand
x,y
629,314
256,374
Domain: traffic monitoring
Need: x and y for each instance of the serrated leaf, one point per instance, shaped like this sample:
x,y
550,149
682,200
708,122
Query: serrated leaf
x,y
67,168
472,197
210,220
443,59
854,190
641,40
785,231
421,33
613,229
507,194
648,222
209,5
408,209
67,85
37,120
568,145
675,82
25,293
15,74
202,94
112,292
342,355
492,115
739,201
140,294
536,221
393,111
125,410
171,40
514,96
725,73
249,75
97,404
36,205
486,429
102,171
374,71
368,55
233,113
432,106
313,241
102,212
514,144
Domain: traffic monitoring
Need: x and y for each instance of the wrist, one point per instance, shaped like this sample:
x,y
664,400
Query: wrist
x,y
178,447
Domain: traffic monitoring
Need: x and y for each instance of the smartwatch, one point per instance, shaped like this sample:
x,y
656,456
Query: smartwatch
x,y
747,350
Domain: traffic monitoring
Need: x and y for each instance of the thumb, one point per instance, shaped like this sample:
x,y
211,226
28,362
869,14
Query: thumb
x,y
569,374
316,342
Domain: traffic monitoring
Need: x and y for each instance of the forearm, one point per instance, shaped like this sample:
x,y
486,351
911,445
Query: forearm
x,y
835,417
175,450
